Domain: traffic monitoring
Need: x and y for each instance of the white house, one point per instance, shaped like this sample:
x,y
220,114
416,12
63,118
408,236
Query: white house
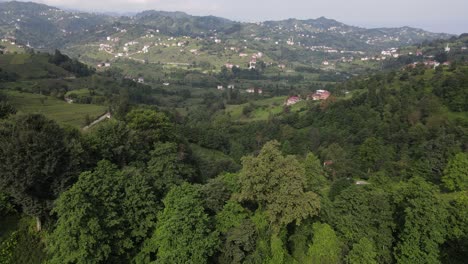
x,y
447,48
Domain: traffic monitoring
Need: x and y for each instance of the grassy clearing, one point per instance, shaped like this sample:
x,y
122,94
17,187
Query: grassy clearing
x,y
31,66
79,92
263,109
60,111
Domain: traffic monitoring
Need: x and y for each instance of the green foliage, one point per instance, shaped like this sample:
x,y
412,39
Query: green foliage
x,y
71,65
215,194
37,162
363,212
278,253
103,217
7,247
152,126
212,162
6,109
456,173
166,166
424,227
363,252
452,88
315,174
6,207
374,154
113,141
183,234
239,244
277,184
231,216
231,182
338,186
326,247
299,241
24,245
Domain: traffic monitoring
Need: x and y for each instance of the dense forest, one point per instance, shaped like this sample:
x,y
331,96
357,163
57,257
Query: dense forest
x,y
377,177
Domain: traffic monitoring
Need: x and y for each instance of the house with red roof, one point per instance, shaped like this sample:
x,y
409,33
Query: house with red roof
x,y
319,95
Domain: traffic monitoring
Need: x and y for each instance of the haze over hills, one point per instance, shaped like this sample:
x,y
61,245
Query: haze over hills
x,y
50,27
163,137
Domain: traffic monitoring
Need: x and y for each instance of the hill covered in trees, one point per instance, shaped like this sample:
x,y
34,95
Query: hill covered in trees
x,y
47,26
210,146
377,173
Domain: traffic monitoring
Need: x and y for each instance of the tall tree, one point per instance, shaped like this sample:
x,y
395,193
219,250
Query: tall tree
x,y
424,217
315,174
277,183
240,242
365,212
168,166
363,252
113,141
326,247
456,173
184,233
37,162
104,217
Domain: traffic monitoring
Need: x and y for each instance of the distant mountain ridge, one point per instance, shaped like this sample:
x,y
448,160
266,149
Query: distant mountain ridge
x,y
49,27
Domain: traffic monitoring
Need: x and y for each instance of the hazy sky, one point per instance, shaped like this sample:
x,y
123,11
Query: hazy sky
x,y
435,15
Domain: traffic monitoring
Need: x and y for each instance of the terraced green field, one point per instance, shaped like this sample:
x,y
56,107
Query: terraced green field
x,y
262,109
60,111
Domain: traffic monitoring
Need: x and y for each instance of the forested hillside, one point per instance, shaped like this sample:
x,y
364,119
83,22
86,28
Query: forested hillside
x,y
163,137
376,173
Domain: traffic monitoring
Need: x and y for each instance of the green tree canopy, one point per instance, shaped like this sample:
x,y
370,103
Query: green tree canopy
x,y
113,141
424,228
105,216
37,162
277,183
6,109
365,212
168,166
184,233
363,252
456,173
151,125
314,172
326,247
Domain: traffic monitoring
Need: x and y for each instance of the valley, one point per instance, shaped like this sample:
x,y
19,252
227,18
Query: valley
x,y
165,137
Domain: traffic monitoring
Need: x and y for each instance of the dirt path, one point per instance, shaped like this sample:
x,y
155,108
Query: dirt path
x,y
97,121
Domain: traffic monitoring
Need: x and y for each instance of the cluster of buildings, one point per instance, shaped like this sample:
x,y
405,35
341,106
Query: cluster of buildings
x,y
429,64
11,40
137,80
230,86
317,96
393,52
254,90
104,64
